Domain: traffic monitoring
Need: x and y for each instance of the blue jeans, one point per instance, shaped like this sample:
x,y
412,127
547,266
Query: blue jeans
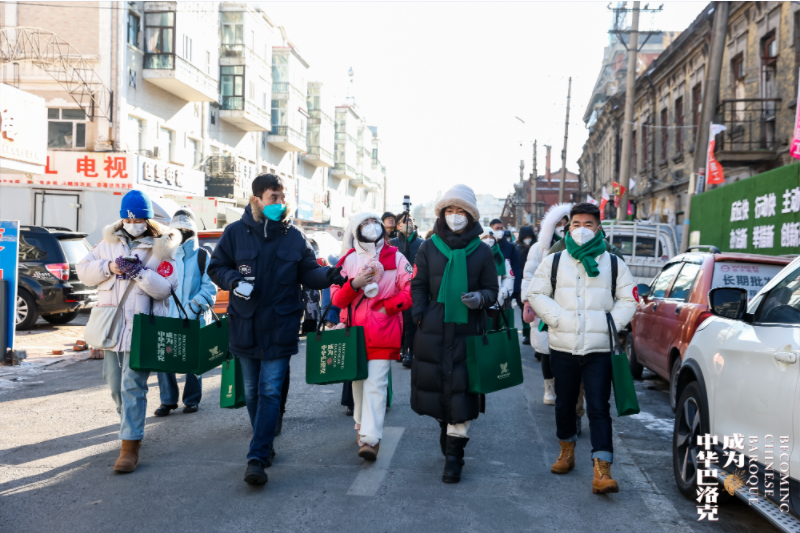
x,y
168,385
129,391
595,371
263,382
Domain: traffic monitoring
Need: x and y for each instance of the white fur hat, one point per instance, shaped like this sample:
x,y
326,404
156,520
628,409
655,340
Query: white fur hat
x,y
459,196
352,227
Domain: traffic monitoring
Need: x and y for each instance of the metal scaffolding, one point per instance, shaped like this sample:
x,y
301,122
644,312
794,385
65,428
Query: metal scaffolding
x,y
62,62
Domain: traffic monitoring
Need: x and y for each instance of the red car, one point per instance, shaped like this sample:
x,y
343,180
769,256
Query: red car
x,y
676,302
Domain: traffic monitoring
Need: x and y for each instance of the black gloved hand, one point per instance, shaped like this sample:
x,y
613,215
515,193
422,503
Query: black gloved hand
x,y
335,277
473,300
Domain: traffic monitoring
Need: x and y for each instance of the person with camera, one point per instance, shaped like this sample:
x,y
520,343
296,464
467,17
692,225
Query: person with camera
x,y
455,281
407,242
136,253
263,259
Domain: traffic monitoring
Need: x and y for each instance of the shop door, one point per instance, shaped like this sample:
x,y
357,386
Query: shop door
x,y
56,209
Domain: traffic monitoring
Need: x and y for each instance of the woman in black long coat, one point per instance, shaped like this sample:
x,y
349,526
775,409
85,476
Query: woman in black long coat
x,y
456,279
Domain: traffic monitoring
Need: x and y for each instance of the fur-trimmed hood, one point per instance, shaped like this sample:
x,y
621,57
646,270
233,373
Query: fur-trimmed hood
x,y
348,241
258,216
551,218
164,247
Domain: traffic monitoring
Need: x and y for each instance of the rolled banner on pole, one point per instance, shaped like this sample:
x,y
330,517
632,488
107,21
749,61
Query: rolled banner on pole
x,y
795,147
714,173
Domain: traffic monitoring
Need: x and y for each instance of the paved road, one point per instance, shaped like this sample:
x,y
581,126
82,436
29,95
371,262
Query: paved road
x,y
59,442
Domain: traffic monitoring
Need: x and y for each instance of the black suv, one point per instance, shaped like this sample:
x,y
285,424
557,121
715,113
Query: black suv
x,y
48,281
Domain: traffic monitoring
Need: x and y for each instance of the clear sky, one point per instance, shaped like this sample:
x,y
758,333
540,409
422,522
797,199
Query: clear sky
x,y
443,81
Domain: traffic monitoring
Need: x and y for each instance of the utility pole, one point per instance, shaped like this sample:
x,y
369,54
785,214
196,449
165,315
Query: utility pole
x,y
710,101
534,180
630,98
564,151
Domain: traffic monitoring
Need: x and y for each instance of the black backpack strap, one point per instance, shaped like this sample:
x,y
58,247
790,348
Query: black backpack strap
x,y
554,270
614,270
202,258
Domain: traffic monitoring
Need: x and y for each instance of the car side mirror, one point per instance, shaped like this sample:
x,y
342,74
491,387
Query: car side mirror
x,y
643,289
728,302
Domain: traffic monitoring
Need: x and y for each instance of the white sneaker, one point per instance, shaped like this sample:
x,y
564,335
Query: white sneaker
x,y
549,392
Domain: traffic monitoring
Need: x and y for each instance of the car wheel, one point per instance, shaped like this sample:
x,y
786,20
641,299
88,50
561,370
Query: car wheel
x,y
673,383
689,425
62,318
636,366
26,310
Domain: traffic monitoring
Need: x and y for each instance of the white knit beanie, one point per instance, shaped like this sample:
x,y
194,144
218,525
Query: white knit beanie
x,y
459,196
184,219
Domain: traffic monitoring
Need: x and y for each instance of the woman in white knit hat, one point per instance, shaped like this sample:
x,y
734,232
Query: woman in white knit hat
x,y
455,279
375,296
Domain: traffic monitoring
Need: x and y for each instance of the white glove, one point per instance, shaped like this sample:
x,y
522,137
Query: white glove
x,y
243,290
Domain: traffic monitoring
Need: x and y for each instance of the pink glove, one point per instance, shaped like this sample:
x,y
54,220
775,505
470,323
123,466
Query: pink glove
x,y
527,314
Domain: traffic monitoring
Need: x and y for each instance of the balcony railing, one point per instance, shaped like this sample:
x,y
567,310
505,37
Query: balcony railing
x,y
320,152
750,125
218,165
231,103
280,87
341,168
231,50
159,61
286,131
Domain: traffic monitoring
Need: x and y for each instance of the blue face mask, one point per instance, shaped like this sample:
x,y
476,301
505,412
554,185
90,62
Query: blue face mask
x,y
274,211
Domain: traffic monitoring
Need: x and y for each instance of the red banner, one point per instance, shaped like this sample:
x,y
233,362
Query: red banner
x,y
714,173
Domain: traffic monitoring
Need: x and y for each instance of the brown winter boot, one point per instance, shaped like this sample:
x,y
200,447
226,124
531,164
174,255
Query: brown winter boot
x,y
602,482
128,457
566,459
370,453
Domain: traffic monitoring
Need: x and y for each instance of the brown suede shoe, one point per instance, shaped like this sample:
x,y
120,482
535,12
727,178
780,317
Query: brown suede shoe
x,y
602,482
369,453
566,459
128,457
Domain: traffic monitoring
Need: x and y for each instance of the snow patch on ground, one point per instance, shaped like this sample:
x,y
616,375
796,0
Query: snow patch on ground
x,y
659,425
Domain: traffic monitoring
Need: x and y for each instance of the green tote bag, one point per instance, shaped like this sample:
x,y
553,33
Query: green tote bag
x,y
180,345
494,361
624,391
336,356
231,390
495,322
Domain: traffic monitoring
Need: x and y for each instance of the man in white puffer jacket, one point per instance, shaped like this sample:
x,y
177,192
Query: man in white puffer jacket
x,y
578,335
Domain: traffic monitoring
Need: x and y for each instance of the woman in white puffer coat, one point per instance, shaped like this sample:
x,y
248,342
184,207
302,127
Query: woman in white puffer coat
x,y
551,230
155,277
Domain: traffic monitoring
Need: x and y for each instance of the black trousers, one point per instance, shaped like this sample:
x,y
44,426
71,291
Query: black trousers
x,y
547,373
409,331
285,389
347,395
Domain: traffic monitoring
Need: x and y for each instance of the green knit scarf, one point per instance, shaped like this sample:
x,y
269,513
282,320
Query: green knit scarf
x,y
499,260
454,280
587,253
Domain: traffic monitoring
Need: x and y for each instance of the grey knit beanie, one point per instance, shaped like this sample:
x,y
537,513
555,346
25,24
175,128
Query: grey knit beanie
x,y
459,196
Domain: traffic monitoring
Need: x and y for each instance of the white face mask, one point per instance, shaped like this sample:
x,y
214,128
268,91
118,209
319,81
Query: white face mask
x,y
560,231
371,232
489,242
456,222
527,242
135,229
498,234
582,235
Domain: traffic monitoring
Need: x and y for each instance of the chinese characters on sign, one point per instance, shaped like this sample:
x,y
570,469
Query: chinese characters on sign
x,y
332,356
749,276
764,235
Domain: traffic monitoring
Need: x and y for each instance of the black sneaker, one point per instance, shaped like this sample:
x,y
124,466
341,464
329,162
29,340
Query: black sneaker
x,y
164,409
526,341
407,360
349,412
255,475
271,457
190,409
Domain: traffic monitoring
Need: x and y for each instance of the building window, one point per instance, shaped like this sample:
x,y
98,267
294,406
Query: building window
x,y
137,132
134,25
679,125
167,142
278,116
232,34
664,134
697,105
194,151
232,87
160,42
187,48
66,128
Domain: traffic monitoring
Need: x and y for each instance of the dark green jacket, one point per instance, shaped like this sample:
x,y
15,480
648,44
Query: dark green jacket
x,y
561,245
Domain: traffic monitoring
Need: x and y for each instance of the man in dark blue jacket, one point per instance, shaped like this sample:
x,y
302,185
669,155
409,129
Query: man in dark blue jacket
x,y
407,242
263,259
510,253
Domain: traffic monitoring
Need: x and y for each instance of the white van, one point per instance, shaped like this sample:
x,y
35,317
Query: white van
x,y
645,246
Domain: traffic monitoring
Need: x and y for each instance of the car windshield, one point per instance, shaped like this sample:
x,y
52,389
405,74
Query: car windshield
x,y
209,243
75,249
749,276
